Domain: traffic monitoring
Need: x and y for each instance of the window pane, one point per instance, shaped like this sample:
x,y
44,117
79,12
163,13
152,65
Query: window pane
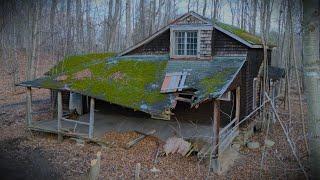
x,y
179,43
191,43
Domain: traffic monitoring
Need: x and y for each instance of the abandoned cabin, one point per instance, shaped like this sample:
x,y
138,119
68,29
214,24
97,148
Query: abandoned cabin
x,y
192,78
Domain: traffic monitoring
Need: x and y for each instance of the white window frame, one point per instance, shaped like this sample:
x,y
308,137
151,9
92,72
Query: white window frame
x,y
175,28
185,43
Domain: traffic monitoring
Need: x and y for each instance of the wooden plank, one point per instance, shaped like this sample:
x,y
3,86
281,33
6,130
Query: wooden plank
x,y
75,121
165,84
216,127
91,120
60,138
183,80
138,139
29,108
137,171
94,170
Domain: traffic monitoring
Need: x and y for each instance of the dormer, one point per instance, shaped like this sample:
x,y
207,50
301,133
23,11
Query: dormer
x,y
194,37
191,38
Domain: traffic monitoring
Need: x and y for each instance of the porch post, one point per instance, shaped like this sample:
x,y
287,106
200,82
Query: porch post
x,y
29,108
238,105
91,123
60,138
216,125
215,163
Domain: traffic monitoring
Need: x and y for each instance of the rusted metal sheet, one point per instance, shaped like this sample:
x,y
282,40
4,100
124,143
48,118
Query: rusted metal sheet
x,y
173,82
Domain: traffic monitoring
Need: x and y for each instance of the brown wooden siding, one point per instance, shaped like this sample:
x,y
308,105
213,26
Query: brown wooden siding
x,y
224,45
248,73
159,45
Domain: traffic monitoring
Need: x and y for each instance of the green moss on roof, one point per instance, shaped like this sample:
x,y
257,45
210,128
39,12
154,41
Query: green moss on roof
x,y
75,63
241,33
127,82
212,83
252,39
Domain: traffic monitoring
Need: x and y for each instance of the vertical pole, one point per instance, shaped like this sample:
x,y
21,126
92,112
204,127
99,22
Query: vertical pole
x,y
216,125
60,138
215,164
29,108
238,105
91,123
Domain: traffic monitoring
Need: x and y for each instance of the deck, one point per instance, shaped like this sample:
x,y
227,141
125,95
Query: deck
x,y
106,122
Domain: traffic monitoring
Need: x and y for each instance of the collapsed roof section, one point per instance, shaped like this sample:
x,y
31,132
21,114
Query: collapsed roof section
x,y
135,81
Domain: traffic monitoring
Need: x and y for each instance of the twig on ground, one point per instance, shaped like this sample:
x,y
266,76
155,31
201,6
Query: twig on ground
x,y
288,138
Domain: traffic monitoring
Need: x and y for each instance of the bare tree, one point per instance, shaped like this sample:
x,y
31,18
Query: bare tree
x,y
204,8
128,22
311,65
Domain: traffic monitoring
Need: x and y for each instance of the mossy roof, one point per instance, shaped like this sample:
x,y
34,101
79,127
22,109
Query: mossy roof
x,y
135,81
250,38
210,78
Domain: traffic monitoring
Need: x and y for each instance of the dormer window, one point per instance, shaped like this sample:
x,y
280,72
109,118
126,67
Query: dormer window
x,y
186,43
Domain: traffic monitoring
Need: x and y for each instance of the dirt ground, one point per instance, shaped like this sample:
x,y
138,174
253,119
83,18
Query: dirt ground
x,y
31,155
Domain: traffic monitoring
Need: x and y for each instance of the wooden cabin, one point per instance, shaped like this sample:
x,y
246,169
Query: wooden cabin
x,y
192,70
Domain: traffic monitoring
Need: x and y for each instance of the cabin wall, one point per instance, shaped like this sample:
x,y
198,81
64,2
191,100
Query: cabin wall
x,y
223,45
159,45
205,44
248,73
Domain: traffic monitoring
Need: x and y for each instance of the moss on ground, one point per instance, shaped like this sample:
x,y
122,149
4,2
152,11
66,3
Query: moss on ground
x,y
217,80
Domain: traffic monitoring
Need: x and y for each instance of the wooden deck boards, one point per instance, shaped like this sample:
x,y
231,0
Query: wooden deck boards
x,y
106,122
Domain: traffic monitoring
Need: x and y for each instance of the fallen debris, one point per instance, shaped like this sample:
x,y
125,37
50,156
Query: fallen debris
x,y
137,171
253,145
177,145
155,170
95,168
268,143
142,136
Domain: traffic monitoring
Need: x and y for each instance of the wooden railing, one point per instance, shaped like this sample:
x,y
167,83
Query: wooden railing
x,y
227,134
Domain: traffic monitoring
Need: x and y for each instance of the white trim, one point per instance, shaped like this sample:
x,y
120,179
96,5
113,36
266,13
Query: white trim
x,y
191,27
173,44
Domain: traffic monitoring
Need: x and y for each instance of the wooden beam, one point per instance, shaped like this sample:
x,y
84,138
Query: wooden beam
x,y
60,138
238,105
216,127
29,108
91,120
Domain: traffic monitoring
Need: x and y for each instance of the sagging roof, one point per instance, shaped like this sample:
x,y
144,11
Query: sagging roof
x,y
135,81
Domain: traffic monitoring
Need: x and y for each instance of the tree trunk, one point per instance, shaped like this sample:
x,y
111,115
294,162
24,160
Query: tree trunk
x,y
128,23
254,17
311,65
204,8
69,23
33,40
89,27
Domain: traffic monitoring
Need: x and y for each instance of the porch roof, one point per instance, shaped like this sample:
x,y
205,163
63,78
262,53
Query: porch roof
x,y
135,81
